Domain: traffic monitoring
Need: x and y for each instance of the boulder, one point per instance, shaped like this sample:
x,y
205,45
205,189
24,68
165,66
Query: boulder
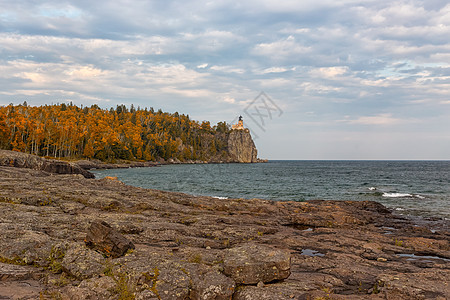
x,y
252,263
102,237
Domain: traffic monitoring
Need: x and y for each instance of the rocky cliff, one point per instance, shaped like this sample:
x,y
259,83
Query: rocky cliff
x,y
241,147
24,160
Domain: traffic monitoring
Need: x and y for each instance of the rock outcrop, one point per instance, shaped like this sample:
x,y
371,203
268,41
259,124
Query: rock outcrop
x,y
241,147
24,160
189,247
97,164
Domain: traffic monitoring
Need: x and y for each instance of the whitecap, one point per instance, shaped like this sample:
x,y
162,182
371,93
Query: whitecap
x,y
402,195
221,198
396,195
372,188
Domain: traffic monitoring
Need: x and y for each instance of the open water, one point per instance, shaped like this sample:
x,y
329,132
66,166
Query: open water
x,y
420,188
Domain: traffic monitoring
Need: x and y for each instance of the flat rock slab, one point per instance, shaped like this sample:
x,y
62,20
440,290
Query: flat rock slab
x,y
15,272
23,290
252,263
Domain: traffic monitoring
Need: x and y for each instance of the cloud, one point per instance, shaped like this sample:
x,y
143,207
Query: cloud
x,y
227,69
384,119
229,99
330,72
358,58
281,50
276,70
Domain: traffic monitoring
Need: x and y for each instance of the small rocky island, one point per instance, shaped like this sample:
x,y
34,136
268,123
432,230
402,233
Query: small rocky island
x,y
68,236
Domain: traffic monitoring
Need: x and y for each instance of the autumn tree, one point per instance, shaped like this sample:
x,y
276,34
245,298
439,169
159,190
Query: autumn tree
x,y
69,131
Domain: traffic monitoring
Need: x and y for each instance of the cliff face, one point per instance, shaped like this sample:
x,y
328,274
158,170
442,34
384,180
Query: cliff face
x,y
29,161
241,146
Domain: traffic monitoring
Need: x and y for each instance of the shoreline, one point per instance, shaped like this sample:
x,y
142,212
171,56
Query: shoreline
x,y
98,165
334,249
227,181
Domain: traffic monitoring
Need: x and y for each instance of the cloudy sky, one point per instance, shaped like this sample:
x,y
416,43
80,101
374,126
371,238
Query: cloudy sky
x,y
342,79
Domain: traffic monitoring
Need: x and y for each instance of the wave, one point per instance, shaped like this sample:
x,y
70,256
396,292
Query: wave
x,y
402,195
221,198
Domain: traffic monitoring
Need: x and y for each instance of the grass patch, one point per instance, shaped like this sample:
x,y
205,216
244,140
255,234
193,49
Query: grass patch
x,y
152,279
55,258
398,243
196,258
13,261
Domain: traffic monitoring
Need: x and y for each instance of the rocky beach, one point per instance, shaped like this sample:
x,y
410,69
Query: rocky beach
x,y
69,236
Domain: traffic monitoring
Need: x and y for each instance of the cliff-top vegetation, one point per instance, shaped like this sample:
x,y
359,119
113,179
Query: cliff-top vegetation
x,y
72,132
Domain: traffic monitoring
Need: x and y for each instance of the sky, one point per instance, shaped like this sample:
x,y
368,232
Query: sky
x,y
322,79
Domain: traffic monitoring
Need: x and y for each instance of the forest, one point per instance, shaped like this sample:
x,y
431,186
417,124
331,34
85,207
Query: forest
x,y
66,131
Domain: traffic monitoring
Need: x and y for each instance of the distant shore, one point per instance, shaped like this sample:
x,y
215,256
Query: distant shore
x,y
99,165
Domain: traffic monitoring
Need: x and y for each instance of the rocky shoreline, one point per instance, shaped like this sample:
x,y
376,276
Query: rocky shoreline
x,y
24,160
70,237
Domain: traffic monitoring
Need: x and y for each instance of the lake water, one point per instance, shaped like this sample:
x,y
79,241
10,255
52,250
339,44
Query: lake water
x,y
420,188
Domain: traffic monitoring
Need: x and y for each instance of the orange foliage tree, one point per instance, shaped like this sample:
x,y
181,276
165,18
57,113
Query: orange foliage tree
x,y
69,131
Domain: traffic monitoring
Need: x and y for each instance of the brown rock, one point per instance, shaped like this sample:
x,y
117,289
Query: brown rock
x,y
181,241
102,237
252,263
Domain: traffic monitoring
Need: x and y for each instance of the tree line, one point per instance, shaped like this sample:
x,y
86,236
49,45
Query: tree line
x,y
69,131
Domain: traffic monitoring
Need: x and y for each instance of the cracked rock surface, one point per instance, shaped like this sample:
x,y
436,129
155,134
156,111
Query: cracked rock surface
x,y
188,247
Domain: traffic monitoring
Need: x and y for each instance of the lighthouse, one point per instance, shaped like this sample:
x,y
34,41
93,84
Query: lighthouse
x,y
239,125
